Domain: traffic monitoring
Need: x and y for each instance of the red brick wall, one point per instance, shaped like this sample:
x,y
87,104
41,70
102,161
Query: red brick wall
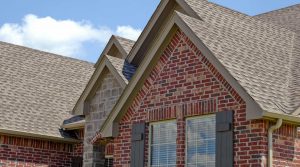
x,y
24,152
286,146
78,150
178,86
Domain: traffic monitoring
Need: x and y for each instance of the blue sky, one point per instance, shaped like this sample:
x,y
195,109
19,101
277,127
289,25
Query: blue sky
x,y
81,28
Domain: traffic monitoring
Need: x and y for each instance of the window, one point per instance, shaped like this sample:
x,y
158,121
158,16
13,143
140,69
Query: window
x,y
200,141
109,162
163,144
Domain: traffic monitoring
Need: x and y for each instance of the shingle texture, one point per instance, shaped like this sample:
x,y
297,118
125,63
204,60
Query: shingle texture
x,y
127,44
287,17
38,89
262,56
124,69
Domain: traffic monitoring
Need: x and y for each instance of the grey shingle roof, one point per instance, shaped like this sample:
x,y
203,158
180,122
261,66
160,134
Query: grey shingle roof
x,y
288,17
127,44
125,69
263,57
38,89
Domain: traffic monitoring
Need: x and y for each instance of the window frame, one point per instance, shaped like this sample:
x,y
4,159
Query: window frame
x,y
186,132
150,137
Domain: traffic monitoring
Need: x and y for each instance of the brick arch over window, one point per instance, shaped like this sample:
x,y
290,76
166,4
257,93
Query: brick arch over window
x,y
181,80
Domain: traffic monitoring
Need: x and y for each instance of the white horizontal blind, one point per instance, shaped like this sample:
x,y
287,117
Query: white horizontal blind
x,y
201,141
163,144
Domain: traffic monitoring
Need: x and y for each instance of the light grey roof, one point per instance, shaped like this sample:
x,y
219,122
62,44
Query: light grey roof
x,y
125,69
261,56
38,89
288,17
127,44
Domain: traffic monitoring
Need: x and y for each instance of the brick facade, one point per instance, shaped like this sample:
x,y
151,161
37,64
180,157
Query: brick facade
x,y
25,152
100,105
286,146
184,83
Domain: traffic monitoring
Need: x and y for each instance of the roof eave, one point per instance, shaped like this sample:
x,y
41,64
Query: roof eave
x,y
285,117
38,136
73,126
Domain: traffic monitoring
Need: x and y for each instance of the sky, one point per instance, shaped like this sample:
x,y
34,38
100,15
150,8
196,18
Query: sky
x,y
81,28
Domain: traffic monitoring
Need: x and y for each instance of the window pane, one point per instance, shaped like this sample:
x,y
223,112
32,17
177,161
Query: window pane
x,y
163,144
108,162
201,141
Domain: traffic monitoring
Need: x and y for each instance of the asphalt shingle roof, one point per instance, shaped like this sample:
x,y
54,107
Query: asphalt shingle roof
x,y
127,44
124,69
288,17
38,89
263,57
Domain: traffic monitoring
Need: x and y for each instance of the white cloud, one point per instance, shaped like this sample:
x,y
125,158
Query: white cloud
x,y
64,37
128,32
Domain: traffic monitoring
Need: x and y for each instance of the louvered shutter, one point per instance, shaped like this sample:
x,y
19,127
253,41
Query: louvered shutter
x,y
77,162
224,139
137,145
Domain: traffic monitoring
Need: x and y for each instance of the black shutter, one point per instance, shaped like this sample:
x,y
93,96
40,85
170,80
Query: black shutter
x,y
77,162
137,145
224,139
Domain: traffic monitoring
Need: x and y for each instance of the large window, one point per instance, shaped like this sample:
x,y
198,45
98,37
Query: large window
x,y
163,144
200,141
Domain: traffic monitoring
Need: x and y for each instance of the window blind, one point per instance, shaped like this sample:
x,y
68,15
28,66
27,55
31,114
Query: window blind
x,y
201,141
163,144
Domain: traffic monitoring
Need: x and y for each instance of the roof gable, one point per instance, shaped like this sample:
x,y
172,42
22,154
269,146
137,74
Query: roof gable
x,y
116,47
149,35
121,70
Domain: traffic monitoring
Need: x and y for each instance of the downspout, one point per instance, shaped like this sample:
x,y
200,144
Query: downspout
x,y
270,141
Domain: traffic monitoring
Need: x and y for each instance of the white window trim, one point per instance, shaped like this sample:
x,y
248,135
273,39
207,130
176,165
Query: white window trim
x,y
191,118
109,156
150,137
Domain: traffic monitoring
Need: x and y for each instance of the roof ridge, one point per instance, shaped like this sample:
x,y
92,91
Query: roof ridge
x,y
227,8
234,13
45,52
123,38
276,10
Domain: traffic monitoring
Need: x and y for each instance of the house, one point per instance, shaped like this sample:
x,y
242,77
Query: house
x,y
202,86
207,86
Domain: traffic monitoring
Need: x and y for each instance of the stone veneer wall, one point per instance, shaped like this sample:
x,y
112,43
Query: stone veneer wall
x,y
100,106
179,82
